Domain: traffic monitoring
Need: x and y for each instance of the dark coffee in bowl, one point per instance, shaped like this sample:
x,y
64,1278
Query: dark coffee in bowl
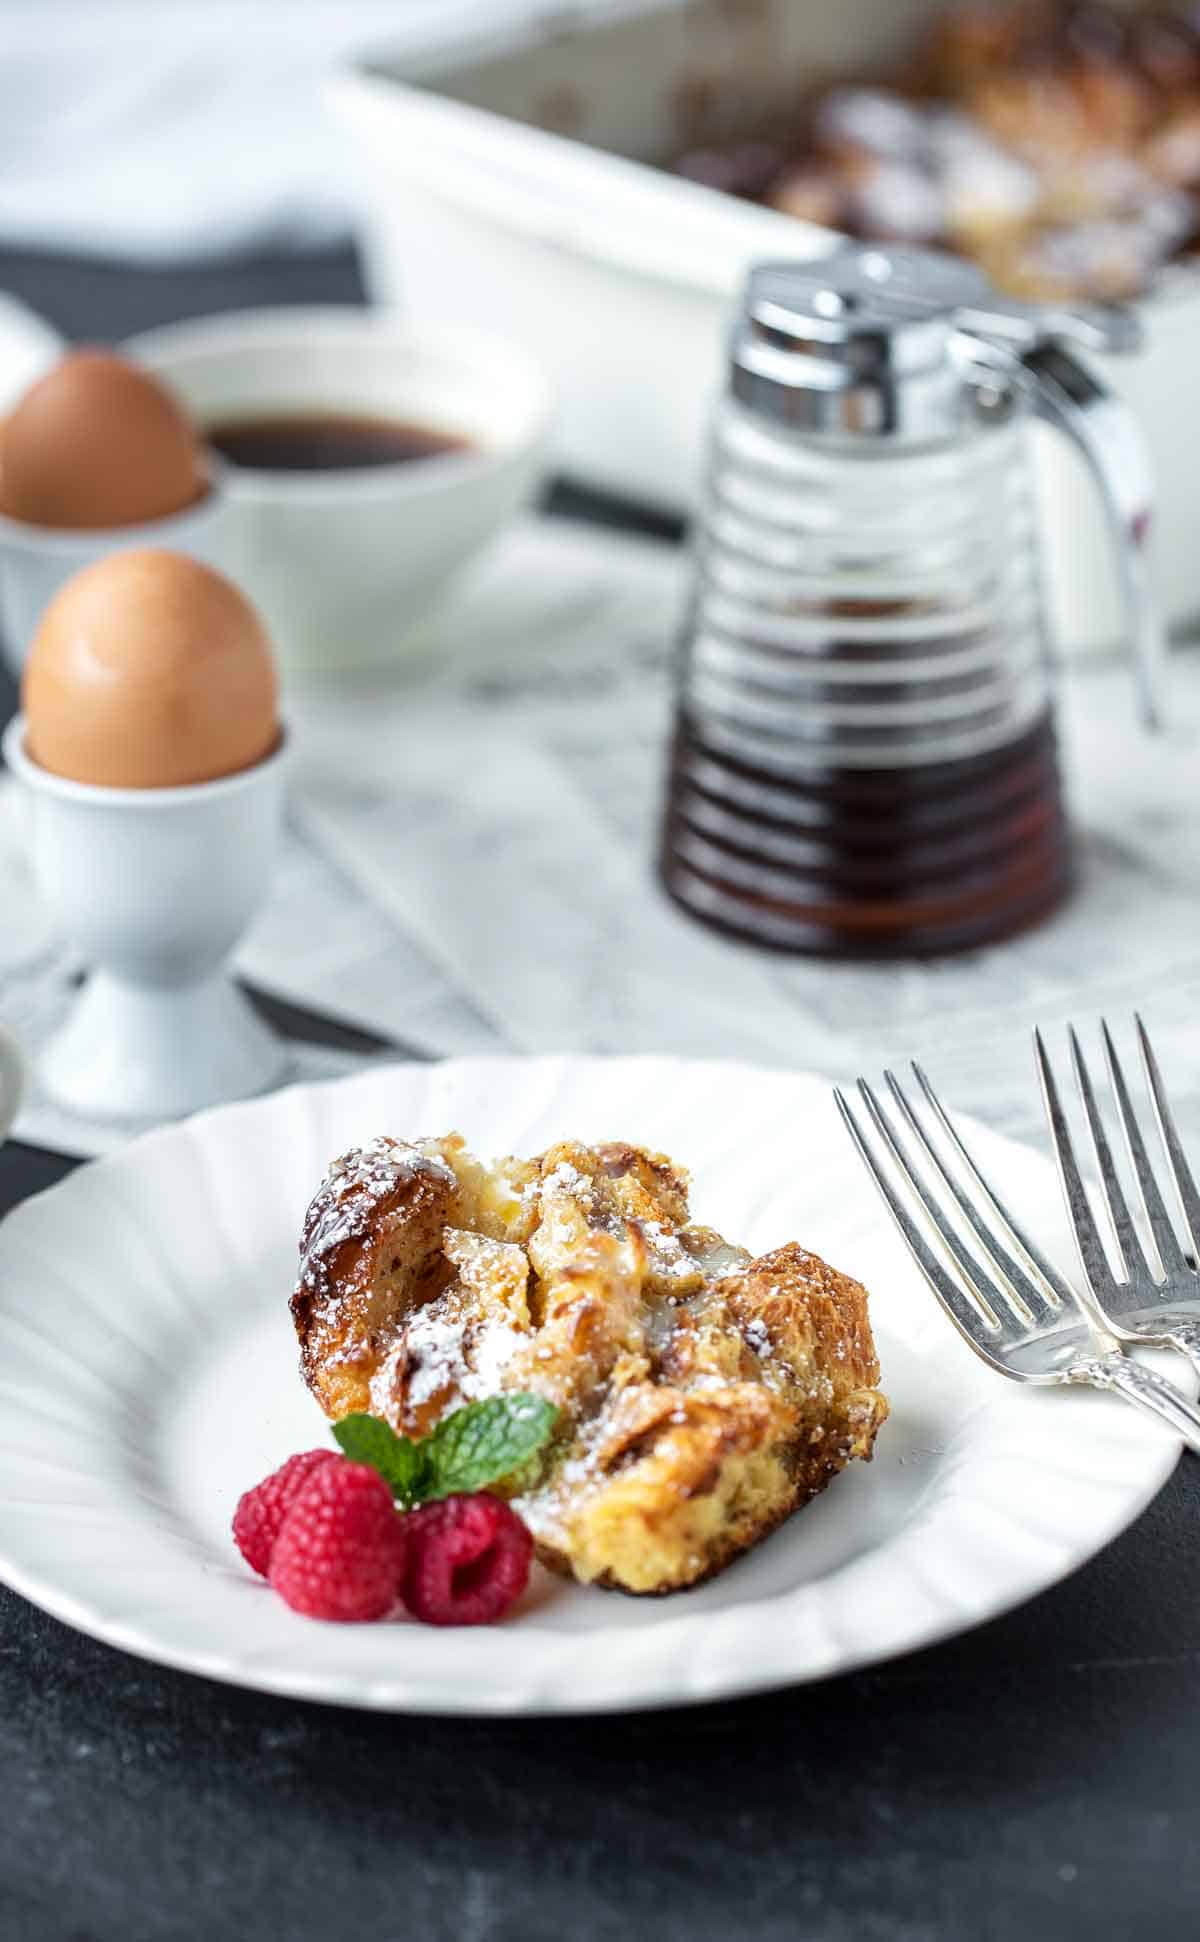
x,y
328,441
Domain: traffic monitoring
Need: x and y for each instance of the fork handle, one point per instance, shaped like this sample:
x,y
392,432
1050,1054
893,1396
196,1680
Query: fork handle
x,y
1149,1392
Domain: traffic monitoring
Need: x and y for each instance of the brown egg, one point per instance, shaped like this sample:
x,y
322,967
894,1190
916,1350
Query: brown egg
x,y
149,670
97,443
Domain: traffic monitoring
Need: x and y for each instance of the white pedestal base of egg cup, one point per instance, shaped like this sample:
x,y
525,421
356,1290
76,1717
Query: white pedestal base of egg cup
x,y
35,561
153,888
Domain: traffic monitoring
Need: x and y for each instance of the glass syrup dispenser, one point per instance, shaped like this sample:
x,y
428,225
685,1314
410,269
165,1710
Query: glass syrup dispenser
x,y
864,759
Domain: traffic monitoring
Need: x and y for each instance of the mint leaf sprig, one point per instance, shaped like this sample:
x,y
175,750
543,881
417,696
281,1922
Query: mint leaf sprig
x,y
480,1444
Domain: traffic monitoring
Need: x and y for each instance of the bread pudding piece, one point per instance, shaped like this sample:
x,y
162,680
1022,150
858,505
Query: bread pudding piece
x,y
703,1396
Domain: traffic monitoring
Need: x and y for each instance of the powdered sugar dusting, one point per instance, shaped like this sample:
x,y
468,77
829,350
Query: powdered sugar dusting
x,y
435,1357
492,1350
666,1253
443,1351
348,1198
567,1179
756,1334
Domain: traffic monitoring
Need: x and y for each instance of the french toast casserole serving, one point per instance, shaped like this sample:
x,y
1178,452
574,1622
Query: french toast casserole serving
x,y
703,1396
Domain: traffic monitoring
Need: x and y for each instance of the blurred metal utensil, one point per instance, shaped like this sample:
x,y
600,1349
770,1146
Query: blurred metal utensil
x,y
1153,1296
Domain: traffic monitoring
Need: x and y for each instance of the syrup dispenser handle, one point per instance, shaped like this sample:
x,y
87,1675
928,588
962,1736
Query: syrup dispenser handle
x,y
1104,430
1032,346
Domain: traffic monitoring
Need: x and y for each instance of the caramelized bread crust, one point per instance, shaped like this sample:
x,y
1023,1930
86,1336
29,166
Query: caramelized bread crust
x,y
703,1396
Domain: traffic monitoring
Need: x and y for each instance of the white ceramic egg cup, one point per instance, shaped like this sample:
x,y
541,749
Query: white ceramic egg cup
x,y
154,887
35,561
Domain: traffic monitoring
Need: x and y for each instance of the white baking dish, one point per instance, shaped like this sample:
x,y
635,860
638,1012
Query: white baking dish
x,y
618,276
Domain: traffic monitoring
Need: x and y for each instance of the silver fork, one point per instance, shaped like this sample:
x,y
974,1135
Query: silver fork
x,y
1016,1311
1155,1301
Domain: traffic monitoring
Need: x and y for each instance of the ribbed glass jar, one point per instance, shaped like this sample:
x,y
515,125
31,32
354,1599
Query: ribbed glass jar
x,y
864,756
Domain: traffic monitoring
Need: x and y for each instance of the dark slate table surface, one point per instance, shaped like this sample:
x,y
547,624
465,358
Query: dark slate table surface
x,y
1037,1778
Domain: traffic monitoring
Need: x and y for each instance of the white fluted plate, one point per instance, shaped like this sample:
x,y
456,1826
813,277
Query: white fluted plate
x,y
148,1374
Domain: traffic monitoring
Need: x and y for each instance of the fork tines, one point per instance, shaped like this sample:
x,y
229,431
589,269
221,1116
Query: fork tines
x,y
992,1280
1135,1267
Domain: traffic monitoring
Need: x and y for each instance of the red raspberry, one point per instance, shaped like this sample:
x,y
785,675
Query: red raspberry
x,y
467,1559
261,1511
340,1549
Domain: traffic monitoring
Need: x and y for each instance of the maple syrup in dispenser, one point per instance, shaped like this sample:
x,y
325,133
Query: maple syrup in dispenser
x,y
864,758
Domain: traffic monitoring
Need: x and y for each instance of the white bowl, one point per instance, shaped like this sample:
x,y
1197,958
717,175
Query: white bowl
x,y
343,564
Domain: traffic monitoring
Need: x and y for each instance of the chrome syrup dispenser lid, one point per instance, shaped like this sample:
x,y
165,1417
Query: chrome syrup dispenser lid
x,y
912,347
858,344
